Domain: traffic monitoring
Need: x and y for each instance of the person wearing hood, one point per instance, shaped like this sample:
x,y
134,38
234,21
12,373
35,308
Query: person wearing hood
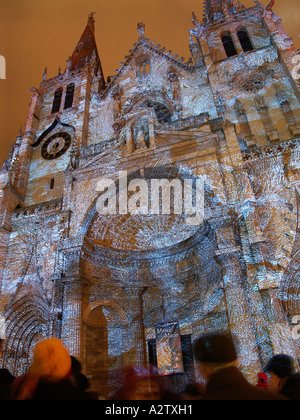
x,y
6,379
282,378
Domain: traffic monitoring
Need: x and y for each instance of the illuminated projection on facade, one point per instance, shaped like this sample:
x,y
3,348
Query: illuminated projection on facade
x,y
136,287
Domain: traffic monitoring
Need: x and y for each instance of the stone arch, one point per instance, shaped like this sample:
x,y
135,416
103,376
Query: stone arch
x,y
245,39
108,303
101,332
211,198
171,265
27,322
143,65
228,44
151,97
162,112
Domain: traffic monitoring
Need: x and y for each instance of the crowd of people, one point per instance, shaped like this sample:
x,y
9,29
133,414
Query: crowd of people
x,y
55,375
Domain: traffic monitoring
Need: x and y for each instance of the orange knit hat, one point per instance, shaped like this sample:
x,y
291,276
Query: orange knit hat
x,y
51,360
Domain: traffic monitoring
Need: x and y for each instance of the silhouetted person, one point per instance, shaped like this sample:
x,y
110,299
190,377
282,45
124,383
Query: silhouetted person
x,y
217,363
78,378
6,379
282,378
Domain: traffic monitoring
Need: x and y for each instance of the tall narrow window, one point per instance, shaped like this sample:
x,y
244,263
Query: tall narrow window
x,y
143,67
57,100
152,352
51,186
69,96
229,46
245,40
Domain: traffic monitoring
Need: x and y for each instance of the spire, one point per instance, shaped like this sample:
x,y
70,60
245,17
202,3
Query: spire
x,y
141,30
86,46
218,9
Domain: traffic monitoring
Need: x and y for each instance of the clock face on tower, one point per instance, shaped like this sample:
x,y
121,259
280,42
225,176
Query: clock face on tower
x,y
56,145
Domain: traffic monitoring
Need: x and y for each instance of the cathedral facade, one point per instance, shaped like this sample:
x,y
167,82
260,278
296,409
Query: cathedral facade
x,y
132,288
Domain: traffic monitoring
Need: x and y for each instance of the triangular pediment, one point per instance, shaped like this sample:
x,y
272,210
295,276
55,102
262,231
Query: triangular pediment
x,y
145,46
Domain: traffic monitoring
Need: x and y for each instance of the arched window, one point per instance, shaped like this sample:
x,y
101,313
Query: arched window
x,y
57,100
143,67
245,40
69,96
229,46
162,113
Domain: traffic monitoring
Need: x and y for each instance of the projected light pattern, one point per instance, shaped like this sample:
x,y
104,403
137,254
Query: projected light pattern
x,y
132,289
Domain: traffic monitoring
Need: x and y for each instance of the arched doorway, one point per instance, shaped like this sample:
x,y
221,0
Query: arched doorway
x,y
97,358
27,322
158,268
103,344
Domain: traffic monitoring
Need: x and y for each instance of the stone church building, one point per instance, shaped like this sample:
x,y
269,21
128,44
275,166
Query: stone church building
x,y
132,289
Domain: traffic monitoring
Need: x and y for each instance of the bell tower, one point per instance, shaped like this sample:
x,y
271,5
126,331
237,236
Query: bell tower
x,y
57,124
248,57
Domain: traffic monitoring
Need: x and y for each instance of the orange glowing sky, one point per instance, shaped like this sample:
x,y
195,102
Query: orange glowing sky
x,y
39,33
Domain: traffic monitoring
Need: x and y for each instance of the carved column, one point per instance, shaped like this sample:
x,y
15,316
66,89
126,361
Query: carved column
x,y
57,305
72,313
137,333
74,287
237,302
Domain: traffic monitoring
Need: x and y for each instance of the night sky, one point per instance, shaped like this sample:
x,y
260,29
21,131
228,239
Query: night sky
x,y
39,33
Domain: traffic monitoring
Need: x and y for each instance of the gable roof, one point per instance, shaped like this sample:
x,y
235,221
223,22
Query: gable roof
x,y
149,45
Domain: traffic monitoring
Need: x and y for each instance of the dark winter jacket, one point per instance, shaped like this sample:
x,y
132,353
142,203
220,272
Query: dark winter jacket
x,y
291,388
6,379
230,384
